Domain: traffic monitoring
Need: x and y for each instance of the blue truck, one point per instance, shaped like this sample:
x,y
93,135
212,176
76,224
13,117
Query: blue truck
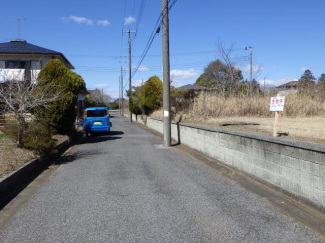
x,y
97,120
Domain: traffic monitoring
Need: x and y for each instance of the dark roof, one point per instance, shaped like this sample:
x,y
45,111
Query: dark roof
x,y
22,47
193,87
291,84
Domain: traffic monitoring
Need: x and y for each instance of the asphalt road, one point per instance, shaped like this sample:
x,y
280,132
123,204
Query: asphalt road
x,y
127,187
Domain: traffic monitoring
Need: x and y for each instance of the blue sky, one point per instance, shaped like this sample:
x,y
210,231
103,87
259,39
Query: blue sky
x,y
288,36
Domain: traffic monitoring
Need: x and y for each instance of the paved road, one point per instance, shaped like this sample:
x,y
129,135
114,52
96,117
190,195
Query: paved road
x,y
128,188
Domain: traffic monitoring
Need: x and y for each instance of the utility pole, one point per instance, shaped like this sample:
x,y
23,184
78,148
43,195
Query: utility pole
x,y
250,48
122,105
166,74
18,19
130,84
119,95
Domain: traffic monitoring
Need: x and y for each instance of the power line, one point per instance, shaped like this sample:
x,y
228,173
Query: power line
x,y
140,14
155,31
138,20
122,32
151,68
153,55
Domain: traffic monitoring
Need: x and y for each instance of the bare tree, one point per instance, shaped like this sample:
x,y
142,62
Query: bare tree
x,y
233,63
232,73
99,97
18,98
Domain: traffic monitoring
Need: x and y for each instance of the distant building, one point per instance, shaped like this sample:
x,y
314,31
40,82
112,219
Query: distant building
x,y
22,61
194,87
290,86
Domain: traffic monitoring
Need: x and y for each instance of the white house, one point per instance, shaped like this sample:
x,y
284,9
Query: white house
x,y
21,61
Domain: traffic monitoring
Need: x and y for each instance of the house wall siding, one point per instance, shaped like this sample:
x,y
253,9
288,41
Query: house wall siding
x,y
37,62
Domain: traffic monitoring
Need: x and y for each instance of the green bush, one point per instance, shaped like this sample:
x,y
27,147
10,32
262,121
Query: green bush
x,y
11,130
38,137
135,105
62,113
151,97
114,106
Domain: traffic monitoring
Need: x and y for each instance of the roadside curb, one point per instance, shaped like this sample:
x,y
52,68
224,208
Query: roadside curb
x,y
16,181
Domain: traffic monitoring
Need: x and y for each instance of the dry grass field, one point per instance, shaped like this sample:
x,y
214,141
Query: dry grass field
x,y
311,129
303,117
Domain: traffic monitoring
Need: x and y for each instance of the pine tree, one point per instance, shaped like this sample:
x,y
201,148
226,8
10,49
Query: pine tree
x,y
321,79
62,113
307,80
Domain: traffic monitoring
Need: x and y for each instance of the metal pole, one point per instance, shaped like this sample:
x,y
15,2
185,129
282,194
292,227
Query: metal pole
x,y
250,48
166,74
122,91
119,95
130,85
251,63
251,71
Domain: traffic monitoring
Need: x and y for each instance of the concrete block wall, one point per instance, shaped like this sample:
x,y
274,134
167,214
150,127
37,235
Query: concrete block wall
x,y
293,166
136,118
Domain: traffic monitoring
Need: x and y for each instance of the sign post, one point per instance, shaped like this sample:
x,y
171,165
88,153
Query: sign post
x,y
276,105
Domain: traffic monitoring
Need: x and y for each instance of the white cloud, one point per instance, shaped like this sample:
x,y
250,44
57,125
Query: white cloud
x,y
303,69
76,19
178,75
143,69
277,82
255,68
129,20
101,85
138,83
112,93
103,22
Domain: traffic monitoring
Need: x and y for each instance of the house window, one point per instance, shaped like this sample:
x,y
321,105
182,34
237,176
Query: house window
x,y
17,65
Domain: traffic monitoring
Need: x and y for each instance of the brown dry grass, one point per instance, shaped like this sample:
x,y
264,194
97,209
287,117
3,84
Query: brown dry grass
x,y
207,106
298,128
11,157
303,116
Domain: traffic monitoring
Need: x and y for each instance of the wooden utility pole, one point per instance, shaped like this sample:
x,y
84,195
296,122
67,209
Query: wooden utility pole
x,y
130,76
166,74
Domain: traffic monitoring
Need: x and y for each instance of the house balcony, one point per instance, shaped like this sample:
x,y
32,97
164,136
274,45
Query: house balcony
x,y
18,75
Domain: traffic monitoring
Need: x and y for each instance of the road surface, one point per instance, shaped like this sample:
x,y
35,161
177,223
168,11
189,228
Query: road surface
x,y
126,187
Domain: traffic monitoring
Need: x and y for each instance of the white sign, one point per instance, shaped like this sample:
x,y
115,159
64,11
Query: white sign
x,y
166,114
277,103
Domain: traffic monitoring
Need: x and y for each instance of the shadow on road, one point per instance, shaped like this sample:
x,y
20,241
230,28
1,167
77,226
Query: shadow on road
x,y
68,158
100,137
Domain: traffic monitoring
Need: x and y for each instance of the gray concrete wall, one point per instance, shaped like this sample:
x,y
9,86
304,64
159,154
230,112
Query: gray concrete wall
x,y
136,118
293,166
